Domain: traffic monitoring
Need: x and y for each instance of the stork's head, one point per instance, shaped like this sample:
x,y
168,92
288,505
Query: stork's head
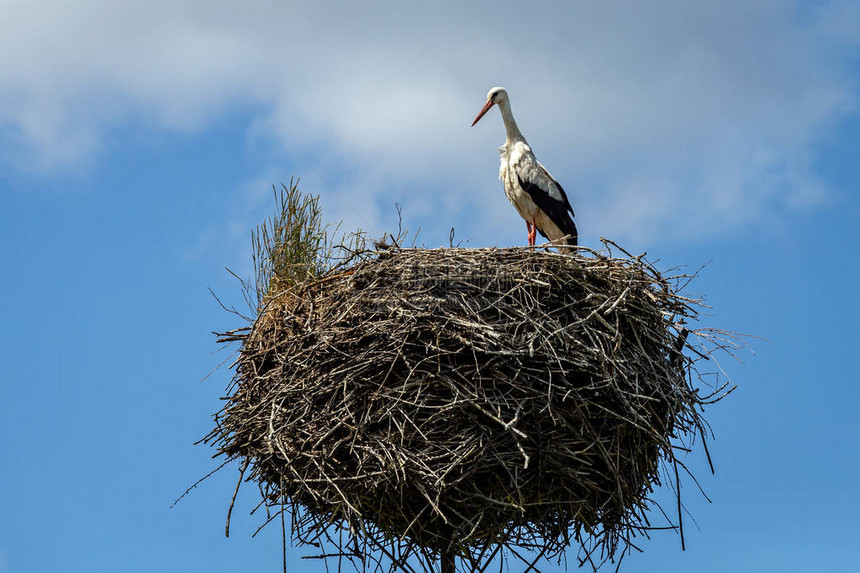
x,y
496,96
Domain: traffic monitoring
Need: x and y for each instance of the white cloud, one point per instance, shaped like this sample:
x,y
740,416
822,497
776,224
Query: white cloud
x,y
711,111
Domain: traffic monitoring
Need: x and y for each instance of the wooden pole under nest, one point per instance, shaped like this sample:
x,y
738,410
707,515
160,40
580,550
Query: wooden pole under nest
x,y
448,560
448,557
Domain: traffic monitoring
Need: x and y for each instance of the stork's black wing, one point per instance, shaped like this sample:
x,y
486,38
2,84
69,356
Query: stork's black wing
x,y
558,209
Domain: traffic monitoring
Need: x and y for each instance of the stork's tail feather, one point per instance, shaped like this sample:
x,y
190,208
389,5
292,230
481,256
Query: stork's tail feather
x,y
572,234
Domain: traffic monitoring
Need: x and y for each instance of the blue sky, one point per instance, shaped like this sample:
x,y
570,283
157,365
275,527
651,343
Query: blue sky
x,y
135,156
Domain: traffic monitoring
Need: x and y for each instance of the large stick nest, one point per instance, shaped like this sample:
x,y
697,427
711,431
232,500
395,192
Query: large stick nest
x,y
428,402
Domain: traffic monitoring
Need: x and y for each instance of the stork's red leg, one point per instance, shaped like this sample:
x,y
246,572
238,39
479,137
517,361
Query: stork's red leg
x,y
529,234
532,234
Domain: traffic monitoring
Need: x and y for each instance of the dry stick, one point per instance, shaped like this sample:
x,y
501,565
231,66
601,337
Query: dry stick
x,y
680,516
235,493
198,482
283,533
679,347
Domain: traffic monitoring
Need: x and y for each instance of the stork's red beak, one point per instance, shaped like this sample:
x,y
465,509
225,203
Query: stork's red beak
x,y
484,110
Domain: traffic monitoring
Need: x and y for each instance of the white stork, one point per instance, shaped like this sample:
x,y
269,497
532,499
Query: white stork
x,y
538,198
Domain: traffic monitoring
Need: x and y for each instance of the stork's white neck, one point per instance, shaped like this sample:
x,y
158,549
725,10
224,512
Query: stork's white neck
x,y
511,130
